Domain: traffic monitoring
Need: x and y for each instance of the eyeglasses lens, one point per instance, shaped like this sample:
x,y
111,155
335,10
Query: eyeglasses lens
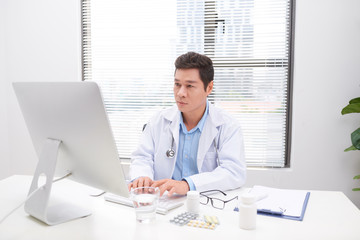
x,y
217,203
204,200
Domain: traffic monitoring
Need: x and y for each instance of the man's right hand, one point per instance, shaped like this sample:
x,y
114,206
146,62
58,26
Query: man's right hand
x,y
140,182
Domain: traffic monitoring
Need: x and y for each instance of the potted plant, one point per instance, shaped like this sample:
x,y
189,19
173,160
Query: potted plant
x,y
353,107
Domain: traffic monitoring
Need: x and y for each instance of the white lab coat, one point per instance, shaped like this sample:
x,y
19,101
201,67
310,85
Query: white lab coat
x,y
150,159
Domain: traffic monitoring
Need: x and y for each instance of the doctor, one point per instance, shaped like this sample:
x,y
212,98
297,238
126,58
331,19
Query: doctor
x,y
193,145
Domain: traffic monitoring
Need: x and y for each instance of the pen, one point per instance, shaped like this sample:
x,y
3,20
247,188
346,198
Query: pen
x,y
268,211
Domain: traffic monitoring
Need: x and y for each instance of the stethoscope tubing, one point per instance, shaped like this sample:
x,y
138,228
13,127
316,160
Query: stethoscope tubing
x,y
170,153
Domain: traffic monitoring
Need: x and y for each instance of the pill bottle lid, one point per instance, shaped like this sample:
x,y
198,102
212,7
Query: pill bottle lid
x,y
192,194
248,198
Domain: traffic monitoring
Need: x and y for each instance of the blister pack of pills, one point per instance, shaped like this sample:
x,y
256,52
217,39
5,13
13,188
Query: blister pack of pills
x,y
201,224
208,222
211,219
184,218
193,220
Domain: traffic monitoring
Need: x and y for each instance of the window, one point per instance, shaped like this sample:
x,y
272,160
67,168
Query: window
x,y
129,49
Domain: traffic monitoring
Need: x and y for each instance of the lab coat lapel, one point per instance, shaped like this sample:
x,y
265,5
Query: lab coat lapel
x,y
174,129
208,134
174,117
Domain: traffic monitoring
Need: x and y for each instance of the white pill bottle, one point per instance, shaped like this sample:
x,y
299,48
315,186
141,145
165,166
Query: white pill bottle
x,y
193,202
247,211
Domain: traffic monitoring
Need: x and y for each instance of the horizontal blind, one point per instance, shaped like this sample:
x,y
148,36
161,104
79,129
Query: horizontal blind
x,y
129,49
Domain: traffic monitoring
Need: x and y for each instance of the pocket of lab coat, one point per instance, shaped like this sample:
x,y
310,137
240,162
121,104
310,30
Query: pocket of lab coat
x,y
209,162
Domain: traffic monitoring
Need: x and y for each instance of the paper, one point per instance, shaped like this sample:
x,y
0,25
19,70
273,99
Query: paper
x,y
290,203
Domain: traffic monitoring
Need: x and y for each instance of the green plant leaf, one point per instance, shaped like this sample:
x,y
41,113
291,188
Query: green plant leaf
x,y
356,177
355,138
355,100
356,189
351,108
350,149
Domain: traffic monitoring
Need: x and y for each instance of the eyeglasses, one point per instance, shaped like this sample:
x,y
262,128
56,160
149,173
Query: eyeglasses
x,y
215,202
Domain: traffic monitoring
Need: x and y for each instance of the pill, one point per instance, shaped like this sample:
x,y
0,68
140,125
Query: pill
x,y
215,219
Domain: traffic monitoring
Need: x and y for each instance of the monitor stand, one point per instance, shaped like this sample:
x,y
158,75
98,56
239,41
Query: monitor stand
x,y
38,204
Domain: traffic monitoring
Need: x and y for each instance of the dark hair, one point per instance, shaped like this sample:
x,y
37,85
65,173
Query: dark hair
x,y
198,61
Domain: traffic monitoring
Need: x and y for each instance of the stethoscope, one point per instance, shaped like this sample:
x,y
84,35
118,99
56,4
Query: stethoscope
x,y
170,153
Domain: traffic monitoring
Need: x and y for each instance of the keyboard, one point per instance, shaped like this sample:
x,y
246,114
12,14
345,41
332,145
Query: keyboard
x,y
165,204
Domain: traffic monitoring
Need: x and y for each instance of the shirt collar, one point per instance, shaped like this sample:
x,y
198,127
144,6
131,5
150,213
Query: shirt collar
x,y
200,124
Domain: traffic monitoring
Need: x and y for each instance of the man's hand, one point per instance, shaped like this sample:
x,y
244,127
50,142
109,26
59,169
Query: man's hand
x,y
140,182
172,186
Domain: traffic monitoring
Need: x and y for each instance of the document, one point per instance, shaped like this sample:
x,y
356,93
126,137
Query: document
x,y
284,203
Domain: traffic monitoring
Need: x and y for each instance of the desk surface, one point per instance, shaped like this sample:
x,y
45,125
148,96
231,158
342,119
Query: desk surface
x,y
329,215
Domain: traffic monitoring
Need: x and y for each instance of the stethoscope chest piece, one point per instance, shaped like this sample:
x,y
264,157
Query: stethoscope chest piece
x,y
170,153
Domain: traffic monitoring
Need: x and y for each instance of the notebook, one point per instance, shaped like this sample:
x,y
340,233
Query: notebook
x,y
165,204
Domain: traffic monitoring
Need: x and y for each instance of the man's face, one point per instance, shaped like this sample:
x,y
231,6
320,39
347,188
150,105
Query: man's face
x,y
189,92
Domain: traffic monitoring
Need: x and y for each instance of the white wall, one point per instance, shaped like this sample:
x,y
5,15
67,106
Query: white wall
x,y
327,76
4,138
42,39
43,44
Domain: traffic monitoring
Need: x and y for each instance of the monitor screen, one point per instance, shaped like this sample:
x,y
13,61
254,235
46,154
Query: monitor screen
x,y
74,114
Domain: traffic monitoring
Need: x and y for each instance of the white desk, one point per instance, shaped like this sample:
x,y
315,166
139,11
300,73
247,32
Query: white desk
x,y
329,215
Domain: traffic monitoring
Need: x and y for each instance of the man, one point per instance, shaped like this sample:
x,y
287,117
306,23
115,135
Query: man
x,y
193,145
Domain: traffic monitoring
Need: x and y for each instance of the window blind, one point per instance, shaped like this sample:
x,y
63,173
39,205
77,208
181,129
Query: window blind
x,y
129,49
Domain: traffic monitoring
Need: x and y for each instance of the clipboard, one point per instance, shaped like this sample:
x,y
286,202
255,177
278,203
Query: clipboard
x,y
282,203
283,215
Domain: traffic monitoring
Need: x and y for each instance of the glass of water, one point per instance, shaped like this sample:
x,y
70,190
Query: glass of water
x,y
145,200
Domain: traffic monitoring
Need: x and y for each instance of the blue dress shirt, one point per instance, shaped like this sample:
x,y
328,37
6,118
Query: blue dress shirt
x,y
186,161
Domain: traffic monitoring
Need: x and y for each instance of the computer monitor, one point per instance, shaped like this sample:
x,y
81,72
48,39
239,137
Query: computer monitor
x,y
71,133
